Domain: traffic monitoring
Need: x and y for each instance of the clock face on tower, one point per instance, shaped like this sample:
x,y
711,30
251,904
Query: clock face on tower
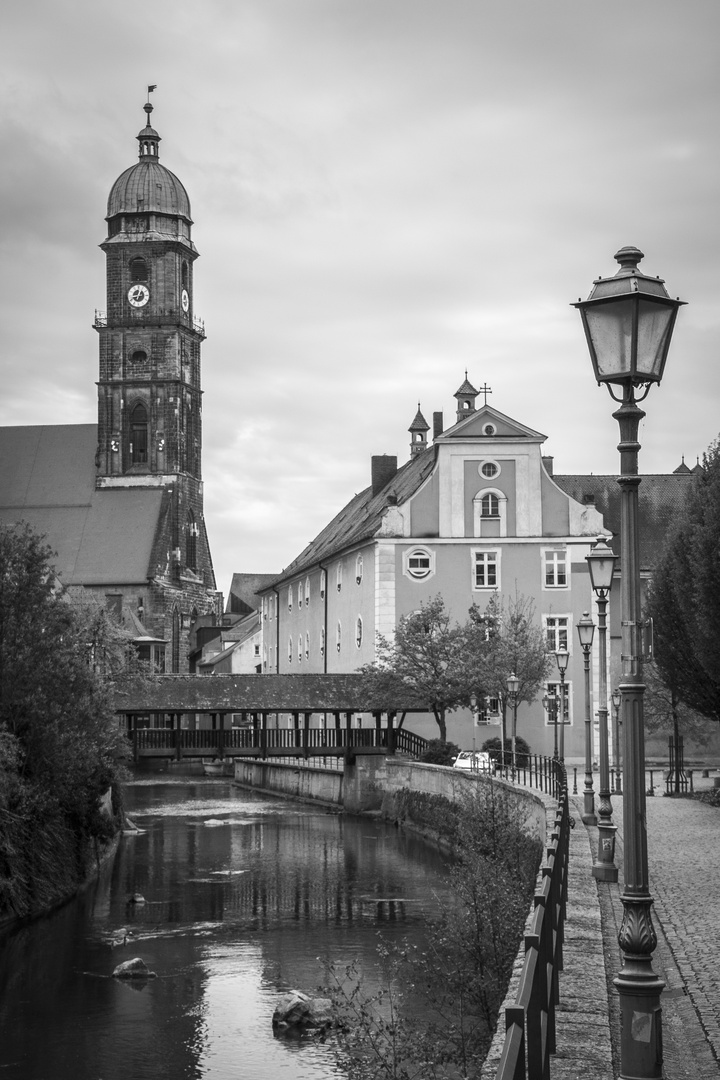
x,y
185,300
139,295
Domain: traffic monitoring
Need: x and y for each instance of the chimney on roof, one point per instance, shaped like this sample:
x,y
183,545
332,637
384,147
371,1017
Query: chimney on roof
x,y
382,469
548,463
437,424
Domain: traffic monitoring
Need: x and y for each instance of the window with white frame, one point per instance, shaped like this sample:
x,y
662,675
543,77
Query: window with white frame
x,y
552,690
338,576
289,597
557,632
256,650
419,563
359,631
489,505
300,648
492,708
307,591
307,646
265,605
300,594
323,584
358,569
555,574
290,650
338,636
322,640
486,569
489,469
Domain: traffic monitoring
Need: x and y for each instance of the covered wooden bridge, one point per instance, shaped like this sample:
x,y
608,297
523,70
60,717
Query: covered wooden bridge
x,y
264,716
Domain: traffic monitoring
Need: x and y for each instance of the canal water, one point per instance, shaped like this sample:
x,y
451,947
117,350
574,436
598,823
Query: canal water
x,y
245,897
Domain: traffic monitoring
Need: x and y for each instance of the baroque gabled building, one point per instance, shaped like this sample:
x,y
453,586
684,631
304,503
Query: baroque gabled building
x,y
476,513
121,502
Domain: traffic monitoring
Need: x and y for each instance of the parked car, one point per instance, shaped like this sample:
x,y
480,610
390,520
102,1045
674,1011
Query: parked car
x,y
477,762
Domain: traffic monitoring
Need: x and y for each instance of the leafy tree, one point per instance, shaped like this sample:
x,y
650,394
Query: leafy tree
x,y
684,598
504,640
427,655
60,746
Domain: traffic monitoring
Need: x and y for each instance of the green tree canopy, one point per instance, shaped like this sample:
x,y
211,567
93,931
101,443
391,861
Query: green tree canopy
x,y
60,746
684,597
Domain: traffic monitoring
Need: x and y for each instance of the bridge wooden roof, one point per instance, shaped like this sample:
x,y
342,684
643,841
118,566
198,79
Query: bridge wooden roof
x,y
259,693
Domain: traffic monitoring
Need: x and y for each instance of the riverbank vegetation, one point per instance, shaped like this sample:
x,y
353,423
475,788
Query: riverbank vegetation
x,y
60,748
436,1013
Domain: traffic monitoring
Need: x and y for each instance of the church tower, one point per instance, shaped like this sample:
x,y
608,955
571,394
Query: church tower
x,y
149,386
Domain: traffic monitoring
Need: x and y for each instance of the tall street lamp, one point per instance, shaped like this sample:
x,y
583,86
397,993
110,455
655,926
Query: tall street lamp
x,y
586,631
601,564
513,685
561,659
628,321
616,740
550,705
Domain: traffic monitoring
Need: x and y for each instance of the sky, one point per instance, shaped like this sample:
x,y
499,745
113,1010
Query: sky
x,y
386,193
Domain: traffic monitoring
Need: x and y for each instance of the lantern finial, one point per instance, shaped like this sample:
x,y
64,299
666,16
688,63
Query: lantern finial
x,y
628,257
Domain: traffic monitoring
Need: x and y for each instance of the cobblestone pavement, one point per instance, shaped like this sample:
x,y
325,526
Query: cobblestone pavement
x,y
684,862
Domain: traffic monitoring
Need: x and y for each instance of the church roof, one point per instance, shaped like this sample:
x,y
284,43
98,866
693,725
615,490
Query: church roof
x,y
148,187
99,536
361,518
661,499
466,390
419,423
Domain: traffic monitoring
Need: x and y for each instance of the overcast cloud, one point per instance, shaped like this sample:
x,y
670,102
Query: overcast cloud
x,y
385,193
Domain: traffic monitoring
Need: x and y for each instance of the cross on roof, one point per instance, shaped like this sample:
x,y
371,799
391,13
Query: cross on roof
x,y
485,390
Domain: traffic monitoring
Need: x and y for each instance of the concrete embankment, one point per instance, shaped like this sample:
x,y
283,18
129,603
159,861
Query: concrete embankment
x,y
372,784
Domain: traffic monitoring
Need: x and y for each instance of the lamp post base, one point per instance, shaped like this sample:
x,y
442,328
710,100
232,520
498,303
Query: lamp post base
x,y
604,868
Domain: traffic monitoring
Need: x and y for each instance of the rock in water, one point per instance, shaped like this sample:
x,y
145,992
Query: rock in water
x,y
296,1013
133,969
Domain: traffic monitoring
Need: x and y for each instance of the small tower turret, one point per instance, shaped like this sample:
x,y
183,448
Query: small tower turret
x,y
418,433
465,397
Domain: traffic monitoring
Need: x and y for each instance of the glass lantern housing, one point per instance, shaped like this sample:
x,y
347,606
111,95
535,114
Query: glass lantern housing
x,y
629,321
601,564
586,630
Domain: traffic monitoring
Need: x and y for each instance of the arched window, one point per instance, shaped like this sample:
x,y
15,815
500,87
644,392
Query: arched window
x,y
191,535
359,631
175,644
338,636
338,576
359,569
323,582
307,591
489,506
322,640
300,594
290,648
289,597
184,274
307,646
138,270
138,357
138,435
300,648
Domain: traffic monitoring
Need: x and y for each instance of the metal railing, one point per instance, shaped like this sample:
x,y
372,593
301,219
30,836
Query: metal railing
x,y
530,1020
262,742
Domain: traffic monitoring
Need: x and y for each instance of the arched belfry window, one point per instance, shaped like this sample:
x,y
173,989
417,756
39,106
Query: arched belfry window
x,y
191,535
138,435
184,274
138,270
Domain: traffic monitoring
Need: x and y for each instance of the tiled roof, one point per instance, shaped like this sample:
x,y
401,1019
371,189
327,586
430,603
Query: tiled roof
x,y
255,693
361,518
243,595
661,498
465,389
100,537
419,423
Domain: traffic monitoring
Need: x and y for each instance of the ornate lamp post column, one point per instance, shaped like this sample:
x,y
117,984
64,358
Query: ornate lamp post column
x,y
586,631
550,705
561,658
513,685
628,321
601,564
616,707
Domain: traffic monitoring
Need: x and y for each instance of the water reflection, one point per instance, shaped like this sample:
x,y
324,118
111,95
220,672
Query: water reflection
x,y
242,897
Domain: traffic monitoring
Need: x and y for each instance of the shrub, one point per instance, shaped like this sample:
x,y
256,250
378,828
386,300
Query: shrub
x,y
522,751
439,752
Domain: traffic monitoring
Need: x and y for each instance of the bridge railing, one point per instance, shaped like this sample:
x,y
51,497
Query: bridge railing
x,y
530,1020
208,742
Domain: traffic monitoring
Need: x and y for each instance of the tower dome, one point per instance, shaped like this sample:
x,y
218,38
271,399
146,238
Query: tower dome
x,y
148,187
